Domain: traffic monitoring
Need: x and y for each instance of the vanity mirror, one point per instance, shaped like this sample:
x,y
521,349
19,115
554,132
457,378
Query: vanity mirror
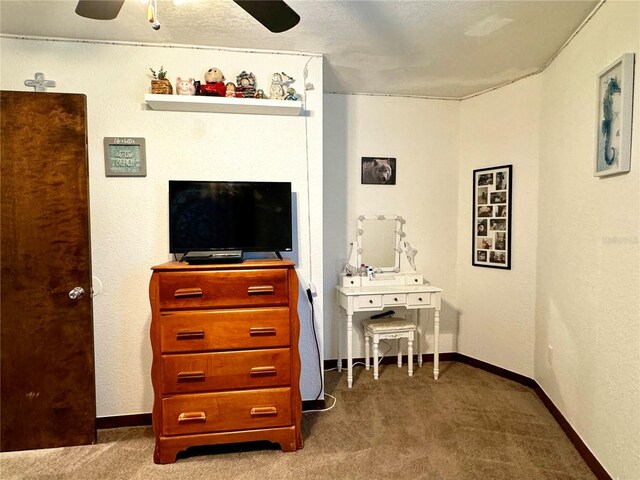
x,y
378,241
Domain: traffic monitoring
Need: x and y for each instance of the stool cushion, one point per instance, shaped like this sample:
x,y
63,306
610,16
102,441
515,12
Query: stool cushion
x,y
388,325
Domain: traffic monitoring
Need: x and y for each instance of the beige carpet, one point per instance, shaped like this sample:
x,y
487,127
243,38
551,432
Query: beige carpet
x,y
469,424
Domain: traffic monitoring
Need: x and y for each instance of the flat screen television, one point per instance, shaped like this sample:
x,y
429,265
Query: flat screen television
x,y
214,216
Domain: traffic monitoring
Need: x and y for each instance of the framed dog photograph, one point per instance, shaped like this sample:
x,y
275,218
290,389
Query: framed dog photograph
x,y
378,171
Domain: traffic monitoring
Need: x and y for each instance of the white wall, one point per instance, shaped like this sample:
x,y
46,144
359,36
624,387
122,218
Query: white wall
x,y
423,137
575,277
129,231
497,306
588,298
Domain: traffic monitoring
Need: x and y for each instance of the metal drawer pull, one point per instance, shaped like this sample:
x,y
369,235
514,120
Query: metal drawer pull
x,y
370,301
264,411
191,376
263,371
188,292
192,417
260,289
189,334
420,299
257,331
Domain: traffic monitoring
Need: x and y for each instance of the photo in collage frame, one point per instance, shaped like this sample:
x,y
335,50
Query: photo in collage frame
x,y
492,217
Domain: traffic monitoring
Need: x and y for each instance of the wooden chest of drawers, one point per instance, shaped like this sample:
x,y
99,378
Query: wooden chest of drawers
x,y
226,366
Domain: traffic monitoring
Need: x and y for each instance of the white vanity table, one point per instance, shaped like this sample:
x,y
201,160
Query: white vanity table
x,y
380,243
376,298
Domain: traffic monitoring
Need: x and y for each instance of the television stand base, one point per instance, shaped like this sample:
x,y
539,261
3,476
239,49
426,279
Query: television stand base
x,y
204,258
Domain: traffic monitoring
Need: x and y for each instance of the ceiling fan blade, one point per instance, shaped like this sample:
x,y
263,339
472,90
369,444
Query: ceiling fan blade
x,y
276,15
99,9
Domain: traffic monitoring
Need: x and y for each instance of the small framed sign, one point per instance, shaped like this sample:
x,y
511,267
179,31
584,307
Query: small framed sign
x,y
125,157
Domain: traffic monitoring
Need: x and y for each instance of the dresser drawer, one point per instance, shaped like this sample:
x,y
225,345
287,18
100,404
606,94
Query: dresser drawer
x,y
223,411
199,331
372,301
417,299
224,289
394,299
199,372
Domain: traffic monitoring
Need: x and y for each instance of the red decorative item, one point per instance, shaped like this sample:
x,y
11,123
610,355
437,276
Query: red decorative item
x,y
217,89
214,85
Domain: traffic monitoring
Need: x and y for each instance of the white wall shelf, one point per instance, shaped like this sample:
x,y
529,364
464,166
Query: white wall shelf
x,y
196,103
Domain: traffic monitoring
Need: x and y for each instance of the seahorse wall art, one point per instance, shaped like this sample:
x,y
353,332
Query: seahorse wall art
x,y
613,88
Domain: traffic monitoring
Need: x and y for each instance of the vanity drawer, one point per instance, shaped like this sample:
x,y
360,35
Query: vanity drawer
x,y
203,330
223,289
350,281
414,279
417,299
201,372
394,299
223,411
370,301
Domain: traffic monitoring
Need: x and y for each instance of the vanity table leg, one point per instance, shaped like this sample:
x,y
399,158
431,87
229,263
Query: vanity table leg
x,y
339,365
349,350
376,351
420,341
436,335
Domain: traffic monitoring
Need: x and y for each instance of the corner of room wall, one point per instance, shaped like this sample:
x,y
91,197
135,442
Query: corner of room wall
x,y
497,306
426,152
587,355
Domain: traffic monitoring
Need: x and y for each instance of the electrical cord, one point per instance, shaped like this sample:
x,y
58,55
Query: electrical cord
x,y
315,337
324,409
305,74
362,363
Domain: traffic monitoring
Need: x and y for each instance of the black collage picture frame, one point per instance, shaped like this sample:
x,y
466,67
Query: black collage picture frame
x,y
491,236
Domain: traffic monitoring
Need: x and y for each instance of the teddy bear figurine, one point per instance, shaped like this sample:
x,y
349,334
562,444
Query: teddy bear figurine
x,y
185,87
214,83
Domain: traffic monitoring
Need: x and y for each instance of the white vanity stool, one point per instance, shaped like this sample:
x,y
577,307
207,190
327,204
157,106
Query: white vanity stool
x,y
391,328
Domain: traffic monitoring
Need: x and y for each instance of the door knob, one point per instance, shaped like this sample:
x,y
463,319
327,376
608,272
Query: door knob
x,y
76,293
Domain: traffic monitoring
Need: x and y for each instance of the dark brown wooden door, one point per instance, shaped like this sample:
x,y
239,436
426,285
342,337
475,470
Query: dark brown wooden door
x,y
47,384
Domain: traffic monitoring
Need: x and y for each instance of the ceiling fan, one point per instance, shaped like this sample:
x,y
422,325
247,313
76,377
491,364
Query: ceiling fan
x,y
276,15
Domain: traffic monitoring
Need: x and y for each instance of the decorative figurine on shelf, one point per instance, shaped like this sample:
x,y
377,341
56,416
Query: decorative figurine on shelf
x,y
279,84
260,94
185,87
232,91
160,84
291,94
214,83
246,84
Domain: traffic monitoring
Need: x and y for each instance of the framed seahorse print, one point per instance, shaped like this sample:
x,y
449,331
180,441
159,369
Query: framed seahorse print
x,y
615,104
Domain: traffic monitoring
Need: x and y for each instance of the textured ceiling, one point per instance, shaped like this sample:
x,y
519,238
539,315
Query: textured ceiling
x,y
420,48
